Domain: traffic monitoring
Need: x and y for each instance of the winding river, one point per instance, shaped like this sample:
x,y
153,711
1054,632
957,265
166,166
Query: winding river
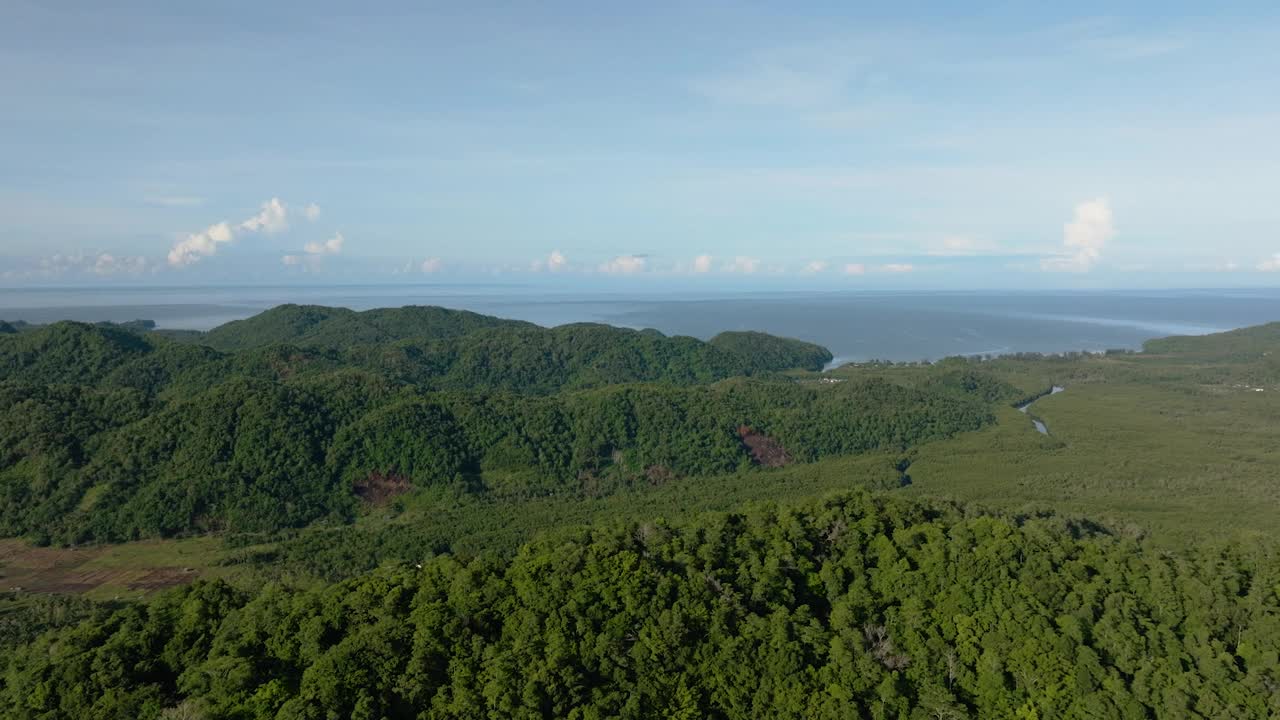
x,y
1040,427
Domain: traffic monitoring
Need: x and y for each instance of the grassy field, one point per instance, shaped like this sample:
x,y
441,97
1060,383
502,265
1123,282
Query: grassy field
x,y
1184,451
105,572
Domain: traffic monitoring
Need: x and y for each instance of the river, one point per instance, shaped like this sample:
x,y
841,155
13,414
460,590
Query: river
x,y
1040,427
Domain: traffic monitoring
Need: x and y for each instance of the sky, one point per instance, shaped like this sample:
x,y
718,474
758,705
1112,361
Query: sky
x,y
814,145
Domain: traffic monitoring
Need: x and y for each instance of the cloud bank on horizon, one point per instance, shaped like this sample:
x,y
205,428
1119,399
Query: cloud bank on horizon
x,y
1084,238
841,147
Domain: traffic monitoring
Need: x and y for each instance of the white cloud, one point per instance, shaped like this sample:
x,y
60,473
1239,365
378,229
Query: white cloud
x,y
854,269
59,263
106,264
625,265
271,219
309,262
432,265
314,252
332,246
897,268
311,212
555,262
1084,237
201,244
702,264
101,264
742,264
815,267
1271,264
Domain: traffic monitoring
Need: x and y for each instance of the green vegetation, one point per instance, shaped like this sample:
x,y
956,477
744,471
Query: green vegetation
x,y
1182,446
1250,344
430,348
326,327
423,513
117,434
853,607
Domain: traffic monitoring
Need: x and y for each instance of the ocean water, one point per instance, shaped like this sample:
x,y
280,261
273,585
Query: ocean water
x,y
855,326
927,326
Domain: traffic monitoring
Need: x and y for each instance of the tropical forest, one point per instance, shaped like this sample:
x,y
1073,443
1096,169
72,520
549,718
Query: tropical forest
x,y
317,513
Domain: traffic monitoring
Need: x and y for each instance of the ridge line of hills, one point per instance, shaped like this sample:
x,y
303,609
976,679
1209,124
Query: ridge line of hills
x,y
114,433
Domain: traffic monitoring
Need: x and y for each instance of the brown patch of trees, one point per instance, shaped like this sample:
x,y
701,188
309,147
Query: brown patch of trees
x,y
380,487
764,450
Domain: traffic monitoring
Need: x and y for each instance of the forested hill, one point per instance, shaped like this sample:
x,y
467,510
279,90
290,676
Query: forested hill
x,y
1255,343
332,327
430,347
856,607
111,434
592,348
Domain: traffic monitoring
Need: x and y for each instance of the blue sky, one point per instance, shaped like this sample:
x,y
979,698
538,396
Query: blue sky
x,y
908,144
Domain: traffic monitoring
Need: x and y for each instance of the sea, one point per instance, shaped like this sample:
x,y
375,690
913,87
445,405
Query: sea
x,y
855,326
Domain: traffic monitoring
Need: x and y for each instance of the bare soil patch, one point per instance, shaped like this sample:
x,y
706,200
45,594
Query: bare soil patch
x,y
378,487
161,578
63,570
765,451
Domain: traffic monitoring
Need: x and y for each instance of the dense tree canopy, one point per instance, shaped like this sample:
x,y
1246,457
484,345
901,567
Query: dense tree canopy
x,y
460,518
329,327
430,347
860,606
118,433
253,455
